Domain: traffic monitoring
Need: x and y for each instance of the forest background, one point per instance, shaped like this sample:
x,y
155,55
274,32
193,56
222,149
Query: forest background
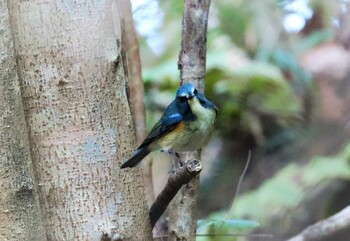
x,y
279,73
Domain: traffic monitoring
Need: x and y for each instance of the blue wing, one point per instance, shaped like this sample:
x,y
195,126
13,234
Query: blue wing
x,y
163,126
168,122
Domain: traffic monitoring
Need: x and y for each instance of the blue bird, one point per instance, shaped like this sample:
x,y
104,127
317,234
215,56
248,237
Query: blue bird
x,y
186,125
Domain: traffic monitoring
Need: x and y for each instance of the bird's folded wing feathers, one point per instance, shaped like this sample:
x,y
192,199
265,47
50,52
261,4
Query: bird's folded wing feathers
x,y
162,127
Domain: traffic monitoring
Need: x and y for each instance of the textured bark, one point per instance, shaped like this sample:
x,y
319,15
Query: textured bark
x,y
183,212
134,73
73,85
137,93
192,59
193,51
20,216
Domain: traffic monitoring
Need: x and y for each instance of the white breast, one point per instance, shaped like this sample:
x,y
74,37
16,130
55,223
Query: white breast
x,y
199,131
196,134
206,116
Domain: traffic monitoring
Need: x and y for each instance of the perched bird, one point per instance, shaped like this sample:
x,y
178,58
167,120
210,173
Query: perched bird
x,y
186,125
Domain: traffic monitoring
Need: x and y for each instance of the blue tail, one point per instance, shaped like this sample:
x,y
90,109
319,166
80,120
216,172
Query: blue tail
x,y
136,158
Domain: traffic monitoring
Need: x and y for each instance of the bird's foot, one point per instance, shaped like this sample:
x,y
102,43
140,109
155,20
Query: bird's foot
x,y
172,171
176,157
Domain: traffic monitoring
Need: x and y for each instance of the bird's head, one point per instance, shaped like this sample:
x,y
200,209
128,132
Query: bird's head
x,y
188,97
186,92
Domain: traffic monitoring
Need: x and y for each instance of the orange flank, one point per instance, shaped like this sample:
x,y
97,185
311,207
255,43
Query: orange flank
x,y
172,139
180,126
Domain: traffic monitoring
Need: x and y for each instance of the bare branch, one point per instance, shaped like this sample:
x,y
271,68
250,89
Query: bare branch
x,y
182,176
331,226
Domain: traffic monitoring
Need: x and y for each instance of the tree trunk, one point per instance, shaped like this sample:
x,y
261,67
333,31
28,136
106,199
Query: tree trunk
x,y
73,82
136,100
20,216
192,59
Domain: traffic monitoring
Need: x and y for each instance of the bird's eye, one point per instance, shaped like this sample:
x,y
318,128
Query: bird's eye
x,y
195,92
182,98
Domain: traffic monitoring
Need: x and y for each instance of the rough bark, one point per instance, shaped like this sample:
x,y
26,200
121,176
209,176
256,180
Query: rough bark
x,y
20,216
134,73
136,88
192,59
80,128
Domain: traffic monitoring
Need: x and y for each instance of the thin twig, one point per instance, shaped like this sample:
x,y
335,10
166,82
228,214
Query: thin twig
x,y
241,180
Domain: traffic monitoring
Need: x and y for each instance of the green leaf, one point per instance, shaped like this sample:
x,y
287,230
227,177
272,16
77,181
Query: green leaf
x,y
220,228
237,224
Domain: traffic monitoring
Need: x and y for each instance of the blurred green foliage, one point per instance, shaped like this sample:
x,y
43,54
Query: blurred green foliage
x,y
254,90
286,189
254,78
281,193
222,229
252,84
235,18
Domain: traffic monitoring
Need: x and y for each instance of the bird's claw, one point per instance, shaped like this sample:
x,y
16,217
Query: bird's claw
x,y
176,157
